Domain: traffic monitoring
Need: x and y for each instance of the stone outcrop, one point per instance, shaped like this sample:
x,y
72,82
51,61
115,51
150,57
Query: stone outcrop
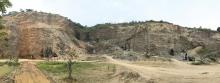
x,y
30,33
155,38
33,32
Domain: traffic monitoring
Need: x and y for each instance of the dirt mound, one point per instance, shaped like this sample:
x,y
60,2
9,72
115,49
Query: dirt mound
x,y
129,77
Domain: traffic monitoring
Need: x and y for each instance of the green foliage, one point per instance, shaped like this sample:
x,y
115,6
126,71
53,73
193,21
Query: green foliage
x,y
21,10
212,56
207,56
4,4
204,51
13,62
100,26
218,29
204,29
5,70
3,35
61,67
201,62
29,10
83,72
75,24
79,25
54,67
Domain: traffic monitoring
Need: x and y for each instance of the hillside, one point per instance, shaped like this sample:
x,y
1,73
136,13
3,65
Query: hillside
x,y
29,34
154,38
32,33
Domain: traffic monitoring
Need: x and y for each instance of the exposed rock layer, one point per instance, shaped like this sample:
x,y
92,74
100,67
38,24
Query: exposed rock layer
x,y
29,33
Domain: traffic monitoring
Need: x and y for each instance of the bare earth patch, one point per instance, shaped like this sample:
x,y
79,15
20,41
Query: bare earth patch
x,y
180,72
30,74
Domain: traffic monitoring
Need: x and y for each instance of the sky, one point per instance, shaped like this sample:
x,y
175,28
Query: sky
x,y
189,13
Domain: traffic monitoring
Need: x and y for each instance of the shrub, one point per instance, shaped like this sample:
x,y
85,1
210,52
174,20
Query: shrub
x,y
12,63
207,58
201,62
3,34
218,29
29,10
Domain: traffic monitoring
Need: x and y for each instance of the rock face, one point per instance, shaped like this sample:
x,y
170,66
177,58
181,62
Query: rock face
x,y
34,32
30,34
155,38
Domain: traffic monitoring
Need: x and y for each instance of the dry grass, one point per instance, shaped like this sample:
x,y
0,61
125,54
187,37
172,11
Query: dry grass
x,y
4,69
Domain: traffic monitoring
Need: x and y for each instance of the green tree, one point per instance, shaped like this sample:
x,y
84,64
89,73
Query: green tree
x,y
4,4
29,10
218,29
71,55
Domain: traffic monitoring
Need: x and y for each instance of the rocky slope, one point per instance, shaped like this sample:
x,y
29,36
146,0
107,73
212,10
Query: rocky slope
x,y
154,38
33,33
29,34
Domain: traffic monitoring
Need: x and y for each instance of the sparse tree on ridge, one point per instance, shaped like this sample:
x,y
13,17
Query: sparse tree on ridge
x,y
21,10
29,10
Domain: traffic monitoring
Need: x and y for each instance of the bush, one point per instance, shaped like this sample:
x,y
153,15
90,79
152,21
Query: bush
x,y
12,63
218,29
201,62
29,10
212,57
208,58
3,34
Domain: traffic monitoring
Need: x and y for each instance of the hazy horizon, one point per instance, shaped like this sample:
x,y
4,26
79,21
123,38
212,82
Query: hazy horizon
x,y
190,13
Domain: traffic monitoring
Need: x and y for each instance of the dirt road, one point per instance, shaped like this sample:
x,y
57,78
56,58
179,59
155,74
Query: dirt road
x,y
30,74
182,73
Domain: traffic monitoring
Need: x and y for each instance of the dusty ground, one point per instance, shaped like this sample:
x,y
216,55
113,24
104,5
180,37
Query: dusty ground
x,y
156,71
178,72
30,74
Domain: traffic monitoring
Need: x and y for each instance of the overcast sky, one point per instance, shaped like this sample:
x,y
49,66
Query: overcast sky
x,y
191,13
